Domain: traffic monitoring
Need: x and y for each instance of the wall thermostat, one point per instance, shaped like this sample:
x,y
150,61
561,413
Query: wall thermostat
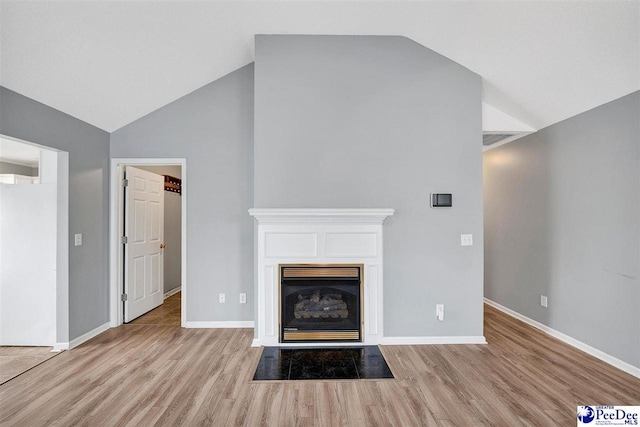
x,y
441,200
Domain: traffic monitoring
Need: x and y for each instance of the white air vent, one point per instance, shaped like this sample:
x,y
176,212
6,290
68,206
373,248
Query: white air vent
x,y
493,138
499,128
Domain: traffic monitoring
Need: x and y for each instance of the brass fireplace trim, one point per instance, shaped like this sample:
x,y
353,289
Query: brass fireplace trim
x,y
320,335
346,266
319,271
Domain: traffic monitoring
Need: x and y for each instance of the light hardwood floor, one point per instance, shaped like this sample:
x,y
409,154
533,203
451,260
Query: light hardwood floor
x,y
142,375
166,314
16,360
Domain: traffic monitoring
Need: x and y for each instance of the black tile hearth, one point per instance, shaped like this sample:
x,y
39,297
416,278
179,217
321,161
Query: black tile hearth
x,y
365,362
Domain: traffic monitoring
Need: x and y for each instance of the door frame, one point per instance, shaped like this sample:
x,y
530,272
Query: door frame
x,y
62,243
116,227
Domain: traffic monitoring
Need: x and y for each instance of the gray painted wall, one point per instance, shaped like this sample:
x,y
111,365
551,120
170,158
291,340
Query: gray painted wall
x,y
172,228
6,167
88,148
213,129
380,122
562,211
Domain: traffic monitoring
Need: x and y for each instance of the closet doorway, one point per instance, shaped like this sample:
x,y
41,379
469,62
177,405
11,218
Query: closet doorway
x,y
148,247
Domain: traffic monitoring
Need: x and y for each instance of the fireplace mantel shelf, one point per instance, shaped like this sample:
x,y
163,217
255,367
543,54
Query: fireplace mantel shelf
x,y
319,216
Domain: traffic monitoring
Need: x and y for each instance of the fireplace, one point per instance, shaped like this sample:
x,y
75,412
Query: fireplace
x,y
319,258
320,302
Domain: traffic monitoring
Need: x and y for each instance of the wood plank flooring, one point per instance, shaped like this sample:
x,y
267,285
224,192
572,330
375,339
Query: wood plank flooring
x,y
143,375
16,360
167,314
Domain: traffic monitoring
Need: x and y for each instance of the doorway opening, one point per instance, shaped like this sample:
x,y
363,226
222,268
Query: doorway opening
x,y
148,241
34,254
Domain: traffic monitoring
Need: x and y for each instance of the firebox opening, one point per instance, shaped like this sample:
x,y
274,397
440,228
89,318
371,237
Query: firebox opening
x,y
320,303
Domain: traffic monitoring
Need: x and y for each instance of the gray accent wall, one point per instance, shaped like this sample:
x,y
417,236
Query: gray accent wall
x,y
88,148
562,219
380,122
213,129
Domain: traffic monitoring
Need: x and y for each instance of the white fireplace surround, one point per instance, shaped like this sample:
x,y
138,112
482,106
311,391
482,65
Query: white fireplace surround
x,y
319,236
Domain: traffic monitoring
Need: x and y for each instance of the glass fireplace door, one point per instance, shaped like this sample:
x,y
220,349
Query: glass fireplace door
x,y
320,303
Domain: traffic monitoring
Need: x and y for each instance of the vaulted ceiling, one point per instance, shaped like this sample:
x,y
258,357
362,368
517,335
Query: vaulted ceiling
x,y
111,62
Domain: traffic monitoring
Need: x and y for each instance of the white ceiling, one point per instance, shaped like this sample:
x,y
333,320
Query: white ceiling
x,y
109,63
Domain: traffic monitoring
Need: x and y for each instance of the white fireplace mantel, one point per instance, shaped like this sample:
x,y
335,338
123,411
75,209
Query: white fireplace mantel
x,y
320,216
318,236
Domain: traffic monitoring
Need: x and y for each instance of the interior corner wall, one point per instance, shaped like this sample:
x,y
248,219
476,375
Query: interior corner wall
x,y
88,148
562,219
380,122
213,129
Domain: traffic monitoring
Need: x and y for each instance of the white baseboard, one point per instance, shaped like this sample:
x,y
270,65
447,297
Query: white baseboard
x,y
433,340
599,354
256,343
221,324
86,337
60,346
172,292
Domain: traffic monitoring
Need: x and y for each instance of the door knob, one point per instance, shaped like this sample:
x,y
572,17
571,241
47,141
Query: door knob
x,y
162,246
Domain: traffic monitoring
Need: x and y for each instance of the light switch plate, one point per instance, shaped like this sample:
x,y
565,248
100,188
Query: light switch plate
x,y
543,301
243,298
78,239
466,240
221,298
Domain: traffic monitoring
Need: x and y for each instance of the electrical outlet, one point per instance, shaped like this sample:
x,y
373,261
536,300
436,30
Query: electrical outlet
x,y
466,240
78,239
440,312
243,298
543,301
221,298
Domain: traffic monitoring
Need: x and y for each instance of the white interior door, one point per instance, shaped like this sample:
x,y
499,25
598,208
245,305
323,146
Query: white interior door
x,y
144,230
